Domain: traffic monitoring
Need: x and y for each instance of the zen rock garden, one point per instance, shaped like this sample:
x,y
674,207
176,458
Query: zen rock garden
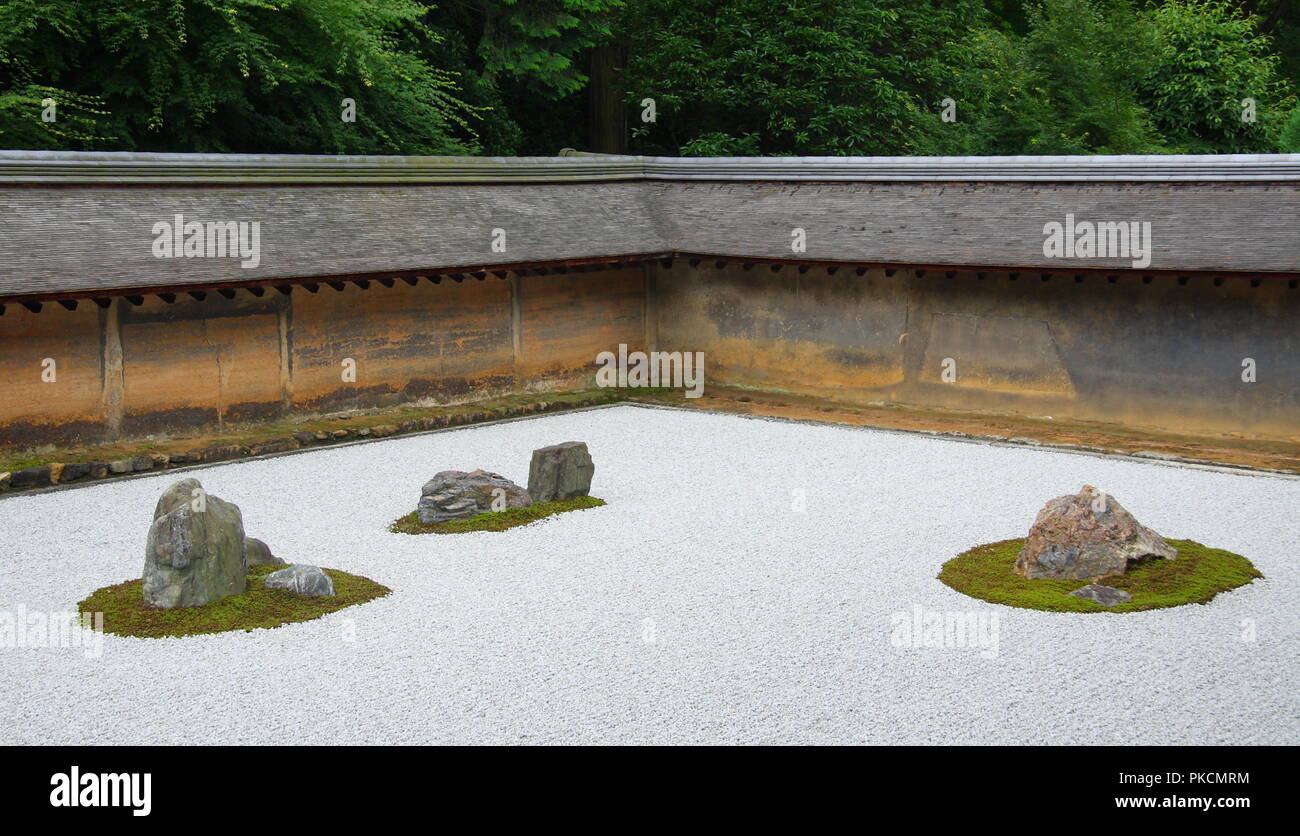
x,y
562,471
197,552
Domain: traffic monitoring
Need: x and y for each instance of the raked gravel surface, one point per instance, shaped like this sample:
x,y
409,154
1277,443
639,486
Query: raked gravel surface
x,y
699,606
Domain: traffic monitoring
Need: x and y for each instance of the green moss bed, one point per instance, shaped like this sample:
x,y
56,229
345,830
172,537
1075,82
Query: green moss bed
x,y
126,614
1194,577
494,520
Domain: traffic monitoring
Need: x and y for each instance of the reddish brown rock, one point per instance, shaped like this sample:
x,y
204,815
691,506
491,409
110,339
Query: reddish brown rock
x,y
1086,535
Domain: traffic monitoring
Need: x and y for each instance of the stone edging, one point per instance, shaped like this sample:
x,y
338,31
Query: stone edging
x,y
55,476
58,475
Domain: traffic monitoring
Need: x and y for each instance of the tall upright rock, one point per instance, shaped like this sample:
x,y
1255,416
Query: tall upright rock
x,y
195,550
562,471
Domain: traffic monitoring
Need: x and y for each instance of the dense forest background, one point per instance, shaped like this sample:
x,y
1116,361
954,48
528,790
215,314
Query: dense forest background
x,y
726,77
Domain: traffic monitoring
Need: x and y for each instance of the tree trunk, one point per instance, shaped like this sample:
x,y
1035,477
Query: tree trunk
x,y
607,125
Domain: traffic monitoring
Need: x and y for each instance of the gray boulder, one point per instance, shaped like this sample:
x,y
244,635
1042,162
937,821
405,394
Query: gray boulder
x,y
259,553
561,471
300,579
1086,535
194,553
454,495
1107,596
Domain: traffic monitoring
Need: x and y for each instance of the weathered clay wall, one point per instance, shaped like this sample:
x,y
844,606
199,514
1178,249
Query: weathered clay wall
x,y
1147,351
195,362
133,370
1150,352
74,399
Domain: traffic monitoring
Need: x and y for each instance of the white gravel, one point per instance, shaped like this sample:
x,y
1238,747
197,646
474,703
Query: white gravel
x,y
696,607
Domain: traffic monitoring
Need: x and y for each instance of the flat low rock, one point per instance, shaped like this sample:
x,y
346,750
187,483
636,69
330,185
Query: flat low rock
x,y
561,471
455,494
1087,535
259,553
300,579
1107,596
194,553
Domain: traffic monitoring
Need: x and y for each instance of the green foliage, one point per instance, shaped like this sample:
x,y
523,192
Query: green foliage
x,y
805,77
1105,77
126,613
494,520
729,77
234,75
1289,143
1194,577
536,40
1209,57
1068,86
523,59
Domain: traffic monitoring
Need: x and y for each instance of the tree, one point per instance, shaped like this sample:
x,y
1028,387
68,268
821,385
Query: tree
x,y
525,61
1289,142
1210,59
231,75
1068,86
789,76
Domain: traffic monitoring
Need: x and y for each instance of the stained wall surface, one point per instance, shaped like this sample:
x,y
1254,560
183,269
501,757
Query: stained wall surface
x,y
1148,351
131,370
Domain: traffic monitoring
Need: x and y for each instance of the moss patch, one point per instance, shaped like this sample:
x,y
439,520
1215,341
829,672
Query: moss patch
x,y
1194,577
126,614
494,520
